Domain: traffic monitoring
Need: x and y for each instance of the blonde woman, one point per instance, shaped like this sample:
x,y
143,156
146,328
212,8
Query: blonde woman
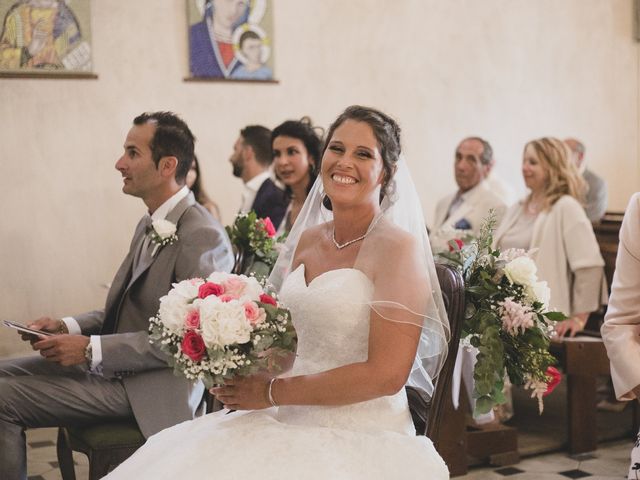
x,y
552,221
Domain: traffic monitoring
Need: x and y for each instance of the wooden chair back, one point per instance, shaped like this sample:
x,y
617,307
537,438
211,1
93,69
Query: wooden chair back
x,y
427,413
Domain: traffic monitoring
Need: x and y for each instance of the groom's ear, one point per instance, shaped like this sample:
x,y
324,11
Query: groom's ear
x,y
167,166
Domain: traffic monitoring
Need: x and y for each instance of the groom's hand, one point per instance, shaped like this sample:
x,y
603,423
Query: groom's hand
x,y
46,324
67,350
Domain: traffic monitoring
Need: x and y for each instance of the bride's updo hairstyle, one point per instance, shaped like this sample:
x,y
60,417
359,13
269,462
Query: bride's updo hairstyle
x,y
387,133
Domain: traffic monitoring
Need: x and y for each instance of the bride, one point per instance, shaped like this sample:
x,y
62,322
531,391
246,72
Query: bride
x,y
357,274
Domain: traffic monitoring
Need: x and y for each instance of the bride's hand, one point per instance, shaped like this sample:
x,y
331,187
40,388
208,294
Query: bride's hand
x,y
244,393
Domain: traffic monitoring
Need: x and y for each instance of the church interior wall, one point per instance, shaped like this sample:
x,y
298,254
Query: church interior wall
x,y
506,70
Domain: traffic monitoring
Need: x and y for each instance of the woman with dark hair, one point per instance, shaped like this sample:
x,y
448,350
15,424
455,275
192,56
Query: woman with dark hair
x,y
194,183
296,156
342,410
552,222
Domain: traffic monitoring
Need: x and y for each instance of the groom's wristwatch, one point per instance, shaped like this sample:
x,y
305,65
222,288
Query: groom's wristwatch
x,y
88,354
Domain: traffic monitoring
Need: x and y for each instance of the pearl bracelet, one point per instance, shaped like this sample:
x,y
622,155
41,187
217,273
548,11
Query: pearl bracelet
x,y
270,393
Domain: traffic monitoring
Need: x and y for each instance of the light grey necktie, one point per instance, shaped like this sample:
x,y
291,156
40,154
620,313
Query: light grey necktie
x,y
143,251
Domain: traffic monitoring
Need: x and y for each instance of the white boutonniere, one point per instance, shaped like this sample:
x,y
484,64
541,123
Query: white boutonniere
x,y
163,232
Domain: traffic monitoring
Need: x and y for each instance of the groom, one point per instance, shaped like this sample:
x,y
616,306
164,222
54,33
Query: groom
x,y
100,365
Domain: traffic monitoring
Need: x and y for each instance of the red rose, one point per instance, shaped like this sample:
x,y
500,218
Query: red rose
x,y
554,377
193,346
458,242
268,226
210,288
264,298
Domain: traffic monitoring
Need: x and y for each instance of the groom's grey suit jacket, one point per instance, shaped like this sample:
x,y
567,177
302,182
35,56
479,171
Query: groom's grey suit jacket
x,y
158,398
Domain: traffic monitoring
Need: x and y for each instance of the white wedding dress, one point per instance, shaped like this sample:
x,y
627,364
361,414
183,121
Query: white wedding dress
x,y
368,440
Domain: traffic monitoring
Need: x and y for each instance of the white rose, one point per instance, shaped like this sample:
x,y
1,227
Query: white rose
x,y
218,277
164,228
252,290
187,289
540,291
173,310
175,305
521,270
223,323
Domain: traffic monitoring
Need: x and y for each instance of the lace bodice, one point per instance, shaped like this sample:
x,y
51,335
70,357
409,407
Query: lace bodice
x,y
331,317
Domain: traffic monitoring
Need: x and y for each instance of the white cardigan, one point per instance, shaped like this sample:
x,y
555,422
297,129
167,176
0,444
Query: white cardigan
x,y
565,242
621,328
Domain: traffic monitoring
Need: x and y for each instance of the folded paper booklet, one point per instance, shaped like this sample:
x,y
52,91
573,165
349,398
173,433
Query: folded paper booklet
x,y
25,329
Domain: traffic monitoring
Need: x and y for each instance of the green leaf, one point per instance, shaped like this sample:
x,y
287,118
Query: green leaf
x,y
555,316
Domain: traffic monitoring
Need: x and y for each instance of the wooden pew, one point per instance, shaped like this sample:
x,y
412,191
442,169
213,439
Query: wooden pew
x,y
584,359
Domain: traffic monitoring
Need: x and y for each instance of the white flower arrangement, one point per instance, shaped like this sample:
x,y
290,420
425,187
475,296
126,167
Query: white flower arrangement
x,y
163,232
506,318
220,327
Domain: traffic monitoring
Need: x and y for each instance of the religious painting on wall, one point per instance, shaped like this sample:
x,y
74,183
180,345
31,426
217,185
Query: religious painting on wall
x,y
51,37
230,39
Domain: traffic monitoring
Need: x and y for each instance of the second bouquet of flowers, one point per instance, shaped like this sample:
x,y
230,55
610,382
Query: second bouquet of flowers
x,y
223,326
507,319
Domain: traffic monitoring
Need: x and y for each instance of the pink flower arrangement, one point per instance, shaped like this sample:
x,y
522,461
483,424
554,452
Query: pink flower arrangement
x,y
459,243
220,327
516,317
268,227
192,322
555,377
209,288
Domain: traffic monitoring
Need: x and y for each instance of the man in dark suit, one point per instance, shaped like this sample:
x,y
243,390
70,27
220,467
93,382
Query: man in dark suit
x,y
251,159
100,364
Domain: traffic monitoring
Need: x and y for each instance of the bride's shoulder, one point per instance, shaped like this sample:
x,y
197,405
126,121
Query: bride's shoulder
x,y
309,238
312,233
395,239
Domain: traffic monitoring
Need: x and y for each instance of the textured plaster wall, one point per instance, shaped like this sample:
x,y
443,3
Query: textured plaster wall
x,y
508,70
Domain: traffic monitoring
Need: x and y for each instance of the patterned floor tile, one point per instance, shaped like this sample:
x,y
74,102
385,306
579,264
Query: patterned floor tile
x,y
575,473
507,471
548,464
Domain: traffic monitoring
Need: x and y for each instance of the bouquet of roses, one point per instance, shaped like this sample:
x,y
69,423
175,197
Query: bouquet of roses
x,y
506,319
220,327
254,241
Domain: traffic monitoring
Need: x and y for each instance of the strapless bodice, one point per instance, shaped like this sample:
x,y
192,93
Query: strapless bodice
x,y
331,317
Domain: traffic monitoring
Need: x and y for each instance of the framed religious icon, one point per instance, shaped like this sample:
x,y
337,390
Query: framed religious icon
x,y
230,40
46,38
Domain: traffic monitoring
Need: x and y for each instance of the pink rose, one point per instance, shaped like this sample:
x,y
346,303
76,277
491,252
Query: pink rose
x,y
554,377
264,298
210,288
459,243
193,346
268,227
227,297
234,286
253,313
193,320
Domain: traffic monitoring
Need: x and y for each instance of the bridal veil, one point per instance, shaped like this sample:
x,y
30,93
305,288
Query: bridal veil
x,y
405,285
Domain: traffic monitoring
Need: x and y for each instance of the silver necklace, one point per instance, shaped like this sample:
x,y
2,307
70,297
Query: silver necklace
x,y
340,246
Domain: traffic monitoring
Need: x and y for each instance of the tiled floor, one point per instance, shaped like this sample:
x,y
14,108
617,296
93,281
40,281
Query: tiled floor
x,y
610,461
42,462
